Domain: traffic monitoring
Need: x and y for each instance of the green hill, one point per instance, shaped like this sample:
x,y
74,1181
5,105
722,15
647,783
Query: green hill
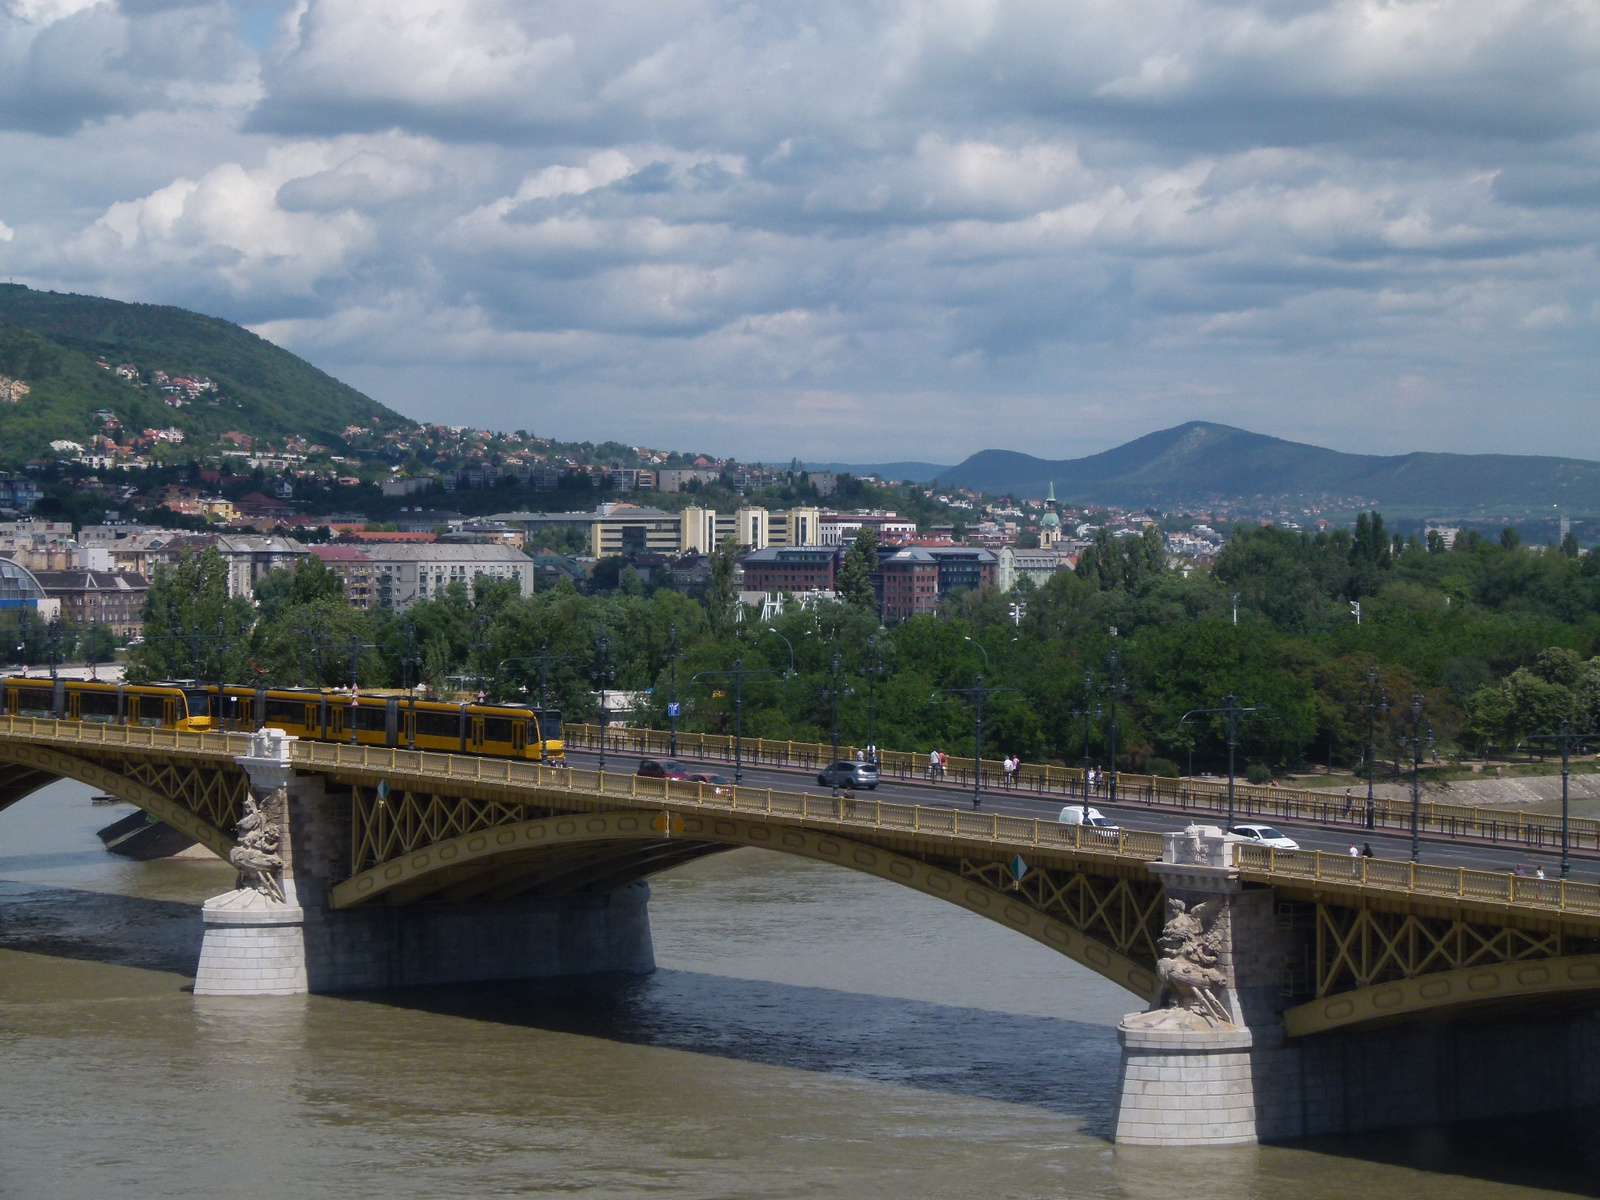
x,y
1200,462
51,341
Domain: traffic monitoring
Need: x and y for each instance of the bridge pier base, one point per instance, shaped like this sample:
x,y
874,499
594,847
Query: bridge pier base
x,y
256,945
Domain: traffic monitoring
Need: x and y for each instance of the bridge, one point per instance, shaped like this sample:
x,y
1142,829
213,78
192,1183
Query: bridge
x,y
1285,993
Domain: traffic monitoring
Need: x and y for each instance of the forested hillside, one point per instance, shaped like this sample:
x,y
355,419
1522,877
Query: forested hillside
x,y
51,341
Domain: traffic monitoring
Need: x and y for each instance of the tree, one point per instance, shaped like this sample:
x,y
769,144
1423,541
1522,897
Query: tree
x,y
854,583
192,628
99,644
721,602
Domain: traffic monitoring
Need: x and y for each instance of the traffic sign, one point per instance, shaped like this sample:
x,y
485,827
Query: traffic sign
x,y
1018,868
672,709
383,790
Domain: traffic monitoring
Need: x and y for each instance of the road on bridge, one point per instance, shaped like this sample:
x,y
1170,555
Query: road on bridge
x,y
1436,851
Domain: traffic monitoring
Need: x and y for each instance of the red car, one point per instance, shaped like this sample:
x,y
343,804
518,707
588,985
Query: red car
x,y
652,768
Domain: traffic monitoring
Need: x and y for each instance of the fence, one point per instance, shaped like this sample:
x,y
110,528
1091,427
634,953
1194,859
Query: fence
x,y
1459,882
1202,797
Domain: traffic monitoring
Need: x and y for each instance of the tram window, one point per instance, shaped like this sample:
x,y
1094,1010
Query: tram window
x,y
34,702
497,729
291,712
550,726
97,706
372,718
438,724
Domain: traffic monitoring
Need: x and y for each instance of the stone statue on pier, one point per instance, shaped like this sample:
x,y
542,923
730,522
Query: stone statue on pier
x,y
1190,946
260,832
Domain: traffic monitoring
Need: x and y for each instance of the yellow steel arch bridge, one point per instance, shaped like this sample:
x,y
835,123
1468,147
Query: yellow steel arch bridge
x,y
1369,942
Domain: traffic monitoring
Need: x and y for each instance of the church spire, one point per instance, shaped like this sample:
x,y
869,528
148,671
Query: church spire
x,y
1050,496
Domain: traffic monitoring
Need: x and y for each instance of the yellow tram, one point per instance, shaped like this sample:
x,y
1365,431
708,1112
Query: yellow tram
x,y
503,730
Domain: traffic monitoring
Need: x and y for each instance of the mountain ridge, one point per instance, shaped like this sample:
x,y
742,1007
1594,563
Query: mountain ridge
x,y
1202,461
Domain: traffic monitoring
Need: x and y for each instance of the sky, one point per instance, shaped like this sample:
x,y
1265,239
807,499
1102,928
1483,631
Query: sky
x,y
858,232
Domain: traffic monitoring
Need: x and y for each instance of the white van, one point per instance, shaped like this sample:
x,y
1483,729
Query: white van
x,y
1073,814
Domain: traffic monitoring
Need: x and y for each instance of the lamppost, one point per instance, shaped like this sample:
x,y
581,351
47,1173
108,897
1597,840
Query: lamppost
x,y
1416,741
356,647
1375,703
672,704
738,673
1568,740
835,691
787,643
411,660
1231,710
977,695
1114,688
982,649
872,672
1088,712
603,673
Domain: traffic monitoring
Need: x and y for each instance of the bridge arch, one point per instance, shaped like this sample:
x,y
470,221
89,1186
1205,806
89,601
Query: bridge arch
x,y
25,768
615,847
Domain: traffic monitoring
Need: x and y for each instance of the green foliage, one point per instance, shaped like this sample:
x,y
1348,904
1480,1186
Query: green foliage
x,y
1258,773
50,340
192,628
854,581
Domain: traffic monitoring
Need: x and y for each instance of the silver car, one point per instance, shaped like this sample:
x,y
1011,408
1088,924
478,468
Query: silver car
x,y
848,774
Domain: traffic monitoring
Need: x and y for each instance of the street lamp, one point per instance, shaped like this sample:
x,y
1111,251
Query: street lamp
x,y
872,672
1088,712
603,673
1376,702
981,649
1568,740
738,673
1114,688
977,695
672,704
835,690
787,643
1416,741
1232,711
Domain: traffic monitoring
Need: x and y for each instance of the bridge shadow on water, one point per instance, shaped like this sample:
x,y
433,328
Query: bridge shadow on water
x,y
1055,1064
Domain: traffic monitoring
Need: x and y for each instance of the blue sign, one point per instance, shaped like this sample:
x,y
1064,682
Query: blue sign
x,y
1018,868
672,708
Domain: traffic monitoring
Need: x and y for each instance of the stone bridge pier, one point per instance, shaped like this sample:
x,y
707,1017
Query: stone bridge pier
x,y
277,933
1212,1063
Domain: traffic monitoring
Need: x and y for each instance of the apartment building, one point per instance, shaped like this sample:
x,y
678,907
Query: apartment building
x,y
792,569
913,579
354,568
114,598
404,575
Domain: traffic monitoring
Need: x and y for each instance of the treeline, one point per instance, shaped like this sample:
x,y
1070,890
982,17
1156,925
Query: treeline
x,y
1496,639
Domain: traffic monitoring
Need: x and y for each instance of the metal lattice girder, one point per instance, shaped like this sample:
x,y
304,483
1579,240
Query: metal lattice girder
x,y
197,798
385,828
599,850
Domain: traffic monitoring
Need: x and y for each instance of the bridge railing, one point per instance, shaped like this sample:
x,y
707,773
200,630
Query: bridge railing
x,y
1462,883
1205,797
141,737
838,811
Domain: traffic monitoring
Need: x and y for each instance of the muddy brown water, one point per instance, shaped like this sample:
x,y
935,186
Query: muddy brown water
x,y
810,1032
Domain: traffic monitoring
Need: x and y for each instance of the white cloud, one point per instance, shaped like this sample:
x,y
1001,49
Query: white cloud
x,y
1049,215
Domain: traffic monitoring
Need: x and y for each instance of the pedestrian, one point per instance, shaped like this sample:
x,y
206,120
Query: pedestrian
x,y
1366,849
861,756
1539,872
1349,801
1354,853
1519,870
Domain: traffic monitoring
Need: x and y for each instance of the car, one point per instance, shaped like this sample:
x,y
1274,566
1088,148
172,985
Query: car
x,y
1265,835
717,782
847,774
1073,814
657,768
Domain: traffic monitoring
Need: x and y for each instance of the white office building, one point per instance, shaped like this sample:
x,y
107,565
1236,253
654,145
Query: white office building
x,y
404,574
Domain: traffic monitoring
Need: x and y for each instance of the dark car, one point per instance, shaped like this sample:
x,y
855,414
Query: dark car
x,y
717,782
848,774
655,768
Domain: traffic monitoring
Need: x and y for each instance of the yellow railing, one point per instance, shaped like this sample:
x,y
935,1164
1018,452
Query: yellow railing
x,y
1461,883
1209,797
145,737
812,808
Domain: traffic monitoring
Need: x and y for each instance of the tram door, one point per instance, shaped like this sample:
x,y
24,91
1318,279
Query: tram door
x,y
519,737
169,711
477,733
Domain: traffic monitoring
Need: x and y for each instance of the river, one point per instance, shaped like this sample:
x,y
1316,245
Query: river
x,y
810,1032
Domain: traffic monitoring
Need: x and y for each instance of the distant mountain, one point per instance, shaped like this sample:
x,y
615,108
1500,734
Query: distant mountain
x,y
50,341
1200,462
911,472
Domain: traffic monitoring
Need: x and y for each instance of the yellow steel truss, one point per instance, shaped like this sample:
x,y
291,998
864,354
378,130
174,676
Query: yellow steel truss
x,y
384,828
1126,914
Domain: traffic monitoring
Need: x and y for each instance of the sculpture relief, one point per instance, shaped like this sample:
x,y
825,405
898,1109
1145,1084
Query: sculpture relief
x,y
256,856
1191,946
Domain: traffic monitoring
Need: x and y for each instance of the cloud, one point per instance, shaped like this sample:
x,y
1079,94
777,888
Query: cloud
x,y
1046,223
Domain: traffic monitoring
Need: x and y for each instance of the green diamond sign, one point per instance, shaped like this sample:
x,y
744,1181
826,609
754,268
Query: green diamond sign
x,y
383,789
1018,868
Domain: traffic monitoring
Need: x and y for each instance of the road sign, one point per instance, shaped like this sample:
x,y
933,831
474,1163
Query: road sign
x,y
672,709
1018,868
667,823
383,790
